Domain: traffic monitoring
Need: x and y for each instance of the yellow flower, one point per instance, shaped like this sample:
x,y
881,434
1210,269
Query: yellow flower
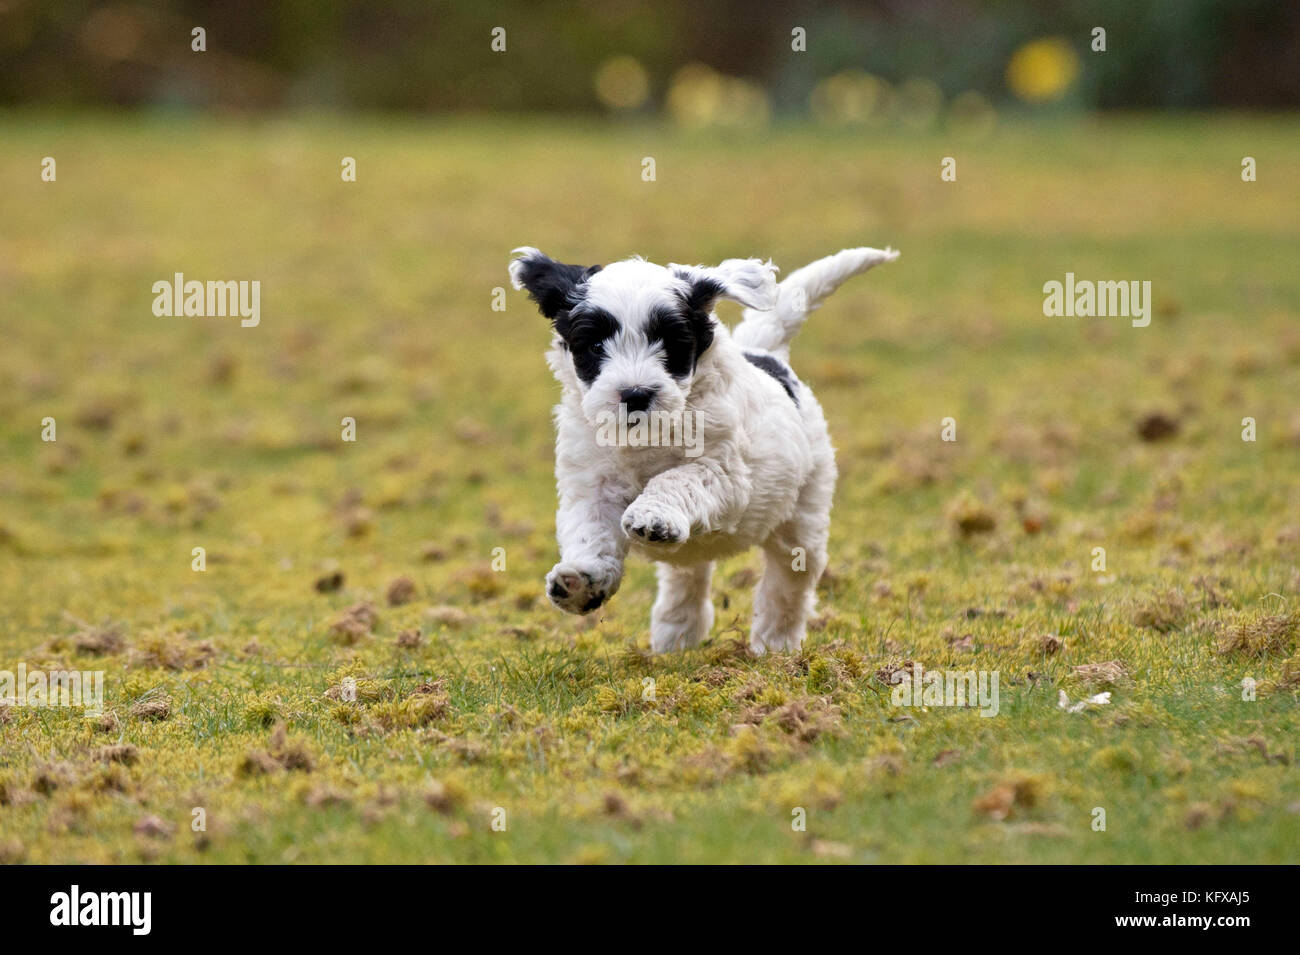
x,y
1042,70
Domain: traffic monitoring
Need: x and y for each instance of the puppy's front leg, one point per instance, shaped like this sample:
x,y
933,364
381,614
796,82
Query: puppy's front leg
x,y
702,496
592,548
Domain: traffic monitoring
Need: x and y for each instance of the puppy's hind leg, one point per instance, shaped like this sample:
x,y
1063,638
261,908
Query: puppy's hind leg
x,y
683,613
787,594
795,556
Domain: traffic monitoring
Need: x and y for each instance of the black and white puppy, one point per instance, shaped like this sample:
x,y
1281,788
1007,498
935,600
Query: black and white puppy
x,y
684,440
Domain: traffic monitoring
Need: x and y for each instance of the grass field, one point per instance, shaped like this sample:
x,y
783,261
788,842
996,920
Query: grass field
x,y
225,688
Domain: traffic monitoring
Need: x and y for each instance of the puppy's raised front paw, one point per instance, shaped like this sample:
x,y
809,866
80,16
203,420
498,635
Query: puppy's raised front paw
x,y
577,590
651,524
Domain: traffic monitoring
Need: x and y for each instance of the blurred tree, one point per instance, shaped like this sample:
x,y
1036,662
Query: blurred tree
x,y
436,56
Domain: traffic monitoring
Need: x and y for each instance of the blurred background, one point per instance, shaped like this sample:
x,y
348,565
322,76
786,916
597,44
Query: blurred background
x,y
785,131
917,61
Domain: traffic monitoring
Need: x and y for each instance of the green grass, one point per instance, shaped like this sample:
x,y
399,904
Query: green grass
x,y
376,303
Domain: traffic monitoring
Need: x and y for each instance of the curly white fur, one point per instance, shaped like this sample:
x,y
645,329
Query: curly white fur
x,y
765,471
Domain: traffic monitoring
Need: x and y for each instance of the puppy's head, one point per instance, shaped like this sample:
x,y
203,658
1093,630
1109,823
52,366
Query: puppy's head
x,y
633,333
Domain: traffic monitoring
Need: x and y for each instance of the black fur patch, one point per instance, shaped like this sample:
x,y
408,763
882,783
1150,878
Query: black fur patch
x,y
784,376
684,333
703,293
697,306
584,330
553,285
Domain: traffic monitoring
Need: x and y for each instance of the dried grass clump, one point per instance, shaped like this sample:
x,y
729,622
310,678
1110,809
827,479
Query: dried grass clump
x,y
123,753
726,651
971,516
52,776
1157,426
282,754
329,583
805,719
172,651
400,591
107,723
1260,634
157,708
1109,673
892,674
100,641
354,623
1017,791
410,639
1164,611
1047,644
447,616
444,796
1288,682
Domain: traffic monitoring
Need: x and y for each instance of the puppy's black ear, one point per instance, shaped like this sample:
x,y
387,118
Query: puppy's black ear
x,y
552,285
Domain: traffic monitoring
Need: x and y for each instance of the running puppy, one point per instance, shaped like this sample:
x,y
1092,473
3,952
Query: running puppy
x,y
684,440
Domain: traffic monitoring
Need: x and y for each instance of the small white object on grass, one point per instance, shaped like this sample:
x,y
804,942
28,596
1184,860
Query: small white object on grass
x,y
1101,699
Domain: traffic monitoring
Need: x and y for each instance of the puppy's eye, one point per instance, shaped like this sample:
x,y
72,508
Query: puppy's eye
x,y
598,347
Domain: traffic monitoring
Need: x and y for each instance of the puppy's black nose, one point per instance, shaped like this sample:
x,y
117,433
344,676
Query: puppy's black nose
x,y
636,399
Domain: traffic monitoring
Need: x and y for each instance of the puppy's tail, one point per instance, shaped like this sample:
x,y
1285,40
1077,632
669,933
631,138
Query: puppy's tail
x,y
801,292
